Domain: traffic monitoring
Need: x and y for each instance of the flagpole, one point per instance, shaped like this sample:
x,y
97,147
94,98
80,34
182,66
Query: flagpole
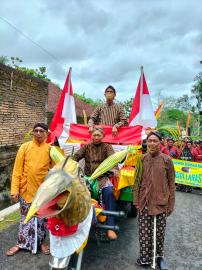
x,y
70,73
141,82
188,123
141,87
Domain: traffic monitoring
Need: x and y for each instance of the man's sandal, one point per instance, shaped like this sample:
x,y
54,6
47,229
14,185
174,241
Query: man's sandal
x,y
45,249
13,250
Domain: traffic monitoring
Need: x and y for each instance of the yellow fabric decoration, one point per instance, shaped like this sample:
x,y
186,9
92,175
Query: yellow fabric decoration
x,y
82,246
71,140
127,177
98,210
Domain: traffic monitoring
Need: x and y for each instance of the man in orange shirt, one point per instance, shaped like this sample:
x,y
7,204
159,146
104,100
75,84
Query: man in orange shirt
x,y
31,166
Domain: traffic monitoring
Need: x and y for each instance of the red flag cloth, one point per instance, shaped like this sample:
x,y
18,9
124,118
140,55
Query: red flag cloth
x,y
142,112
64,114
126,135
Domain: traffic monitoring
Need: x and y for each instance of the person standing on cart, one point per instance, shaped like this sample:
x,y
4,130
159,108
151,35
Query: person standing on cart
x,y
154,198
109,113
94,153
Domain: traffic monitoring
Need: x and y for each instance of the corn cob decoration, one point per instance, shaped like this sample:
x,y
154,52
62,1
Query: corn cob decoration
x,y
56,154
109,163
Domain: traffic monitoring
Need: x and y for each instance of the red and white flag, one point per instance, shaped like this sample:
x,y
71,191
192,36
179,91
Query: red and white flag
x,y
64,114
142,112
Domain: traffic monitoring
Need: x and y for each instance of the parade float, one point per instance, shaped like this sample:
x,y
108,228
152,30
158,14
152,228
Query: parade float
x,y
59,197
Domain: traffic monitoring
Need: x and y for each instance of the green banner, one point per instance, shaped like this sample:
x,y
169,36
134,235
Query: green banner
x,y
188,173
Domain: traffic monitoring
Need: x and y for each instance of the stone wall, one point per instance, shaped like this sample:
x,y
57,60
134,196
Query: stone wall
x,y
23,102
7,156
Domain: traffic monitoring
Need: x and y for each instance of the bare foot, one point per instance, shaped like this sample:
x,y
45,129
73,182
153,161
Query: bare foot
x,y
45,249
13,250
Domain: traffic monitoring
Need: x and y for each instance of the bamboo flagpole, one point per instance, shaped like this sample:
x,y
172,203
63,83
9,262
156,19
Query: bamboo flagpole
x,y
178,128
154,245
85,117
180,134
188,123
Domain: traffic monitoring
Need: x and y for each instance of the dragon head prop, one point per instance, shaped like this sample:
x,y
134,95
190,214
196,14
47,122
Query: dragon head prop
x,y
63,194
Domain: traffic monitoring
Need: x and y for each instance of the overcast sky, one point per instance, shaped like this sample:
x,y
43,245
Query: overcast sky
x,y
106,42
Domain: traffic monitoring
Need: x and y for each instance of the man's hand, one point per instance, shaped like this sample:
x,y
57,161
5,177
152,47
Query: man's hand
x,y
116,173
137,206
114,131
168,212
90,130
15,197
102,182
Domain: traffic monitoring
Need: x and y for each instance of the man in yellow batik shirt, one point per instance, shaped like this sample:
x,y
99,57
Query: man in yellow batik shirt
x,y
31,166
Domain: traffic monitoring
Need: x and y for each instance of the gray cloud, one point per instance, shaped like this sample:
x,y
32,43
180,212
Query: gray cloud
x,y
106,42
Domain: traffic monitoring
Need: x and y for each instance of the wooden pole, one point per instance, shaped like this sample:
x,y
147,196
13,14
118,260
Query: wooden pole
x,y
85,117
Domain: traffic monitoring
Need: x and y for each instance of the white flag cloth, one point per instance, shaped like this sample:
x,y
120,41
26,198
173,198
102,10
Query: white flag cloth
x,y
142,111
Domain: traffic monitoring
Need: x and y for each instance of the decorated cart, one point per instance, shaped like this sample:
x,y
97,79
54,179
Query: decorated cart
x,y
69,222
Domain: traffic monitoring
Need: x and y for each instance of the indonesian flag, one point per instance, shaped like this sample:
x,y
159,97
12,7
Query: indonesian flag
x,y
64,115
142,112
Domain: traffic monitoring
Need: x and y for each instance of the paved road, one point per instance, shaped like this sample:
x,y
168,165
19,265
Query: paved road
x,y
183,247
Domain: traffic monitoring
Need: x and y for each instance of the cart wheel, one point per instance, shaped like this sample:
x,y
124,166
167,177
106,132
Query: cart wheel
x,y
73,262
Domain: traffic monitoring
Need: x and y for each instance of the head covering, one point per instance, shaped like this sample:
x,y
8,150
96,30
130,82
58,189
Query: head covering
x,y
112,88
170,139
155,133
41,125
101,130
196,142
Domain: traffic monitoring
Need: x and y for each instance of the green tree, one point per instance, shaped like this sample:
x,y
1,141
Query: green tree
x,y
197,91
170,116
90,101
183,103
38,72
128,106
4,60
169,102
15,62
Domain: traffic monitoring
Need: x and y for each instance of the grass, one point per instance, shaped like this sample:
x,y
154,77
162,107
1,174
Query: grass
x,y
9,220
